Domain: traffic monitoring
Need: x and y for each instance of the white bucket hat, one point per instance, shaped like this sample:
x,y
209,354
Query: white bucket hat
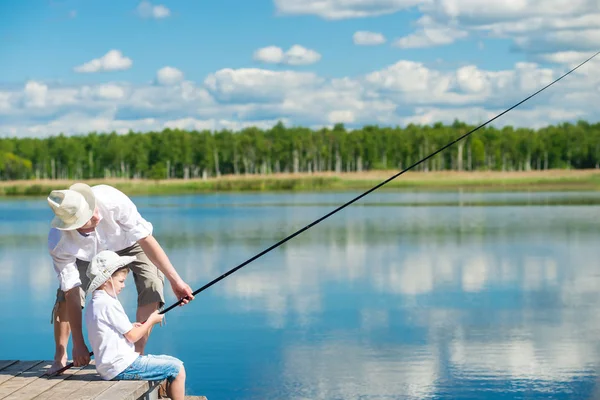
x,y
103,265
73,207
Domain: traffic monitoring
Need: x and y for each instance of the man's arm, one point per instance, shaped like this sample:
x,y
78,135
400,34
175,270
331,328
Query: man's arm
x,y
157,255
140,230
81,354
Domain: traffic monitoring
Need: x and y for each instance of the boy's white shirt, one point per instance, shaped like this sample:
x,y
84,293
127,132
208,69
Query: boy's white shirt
x,y
106,324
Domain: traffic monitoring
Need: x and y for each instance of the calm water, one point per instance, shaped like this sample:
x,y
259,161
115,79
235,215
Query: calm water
x,y
402,295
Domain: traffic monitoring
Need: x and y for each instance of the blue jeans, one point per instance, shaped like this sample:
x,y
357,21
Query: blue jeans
x,y
151,368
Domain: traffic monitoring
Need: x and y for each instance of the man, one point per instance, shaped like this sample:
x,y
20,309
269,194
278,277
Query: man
x,y
88,220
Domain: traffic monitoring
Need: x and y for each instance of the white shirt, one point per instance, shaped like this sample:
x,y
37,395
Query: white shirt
x,y
106,324
120,226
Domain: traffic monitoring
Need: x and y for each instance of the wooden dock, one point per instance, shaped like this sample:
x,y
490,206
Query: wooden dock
x,y
25,380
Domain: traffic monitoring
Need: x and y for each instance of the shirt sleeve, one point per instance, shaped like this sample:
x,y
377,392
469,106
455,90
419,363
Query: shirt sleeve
x,y
115,315
129,218
64,262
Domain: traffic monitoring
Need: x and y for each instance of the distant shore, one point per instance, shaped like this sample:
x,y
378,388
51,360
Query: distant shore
x,y
587,180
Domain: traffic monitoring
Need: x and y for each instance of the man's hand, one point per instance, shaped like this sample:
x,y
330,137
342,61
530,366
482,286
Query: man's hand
x,y
182,290
81,355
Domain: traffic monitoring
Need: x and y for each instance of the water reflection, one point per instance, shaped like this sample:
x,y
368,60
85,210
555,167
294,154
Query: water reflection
x,y
350,370
375,302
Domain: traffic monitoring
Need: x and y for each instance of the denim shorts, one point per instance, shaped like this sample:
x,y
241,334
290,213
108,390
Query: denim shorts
x,y
151,368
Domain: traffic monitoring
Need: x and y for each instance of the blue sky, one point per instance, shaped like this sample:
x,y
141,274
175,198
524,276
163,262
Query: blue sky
x,y
457,58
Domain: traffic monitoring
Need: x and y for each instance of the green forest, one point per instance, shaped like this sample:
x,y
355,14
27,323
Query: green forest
x,y
184,154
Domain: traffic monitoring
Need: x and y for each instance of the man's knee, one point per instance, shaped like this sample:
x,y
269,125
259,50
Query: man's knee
x,y
150,287
150,291
75,294
59,308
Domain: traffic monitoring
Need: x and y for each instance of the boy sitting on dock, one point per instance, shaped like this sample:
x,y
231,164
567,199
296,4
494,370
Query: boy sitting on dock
x,y
112,335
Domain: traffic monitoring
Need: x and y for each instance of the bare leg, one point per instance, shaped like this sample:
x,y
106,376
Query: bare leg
x,y
62,331
143,312
176,390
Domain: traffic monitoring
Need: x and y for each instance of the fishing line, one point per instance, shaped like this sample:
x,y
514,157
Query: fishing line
x,y
282,241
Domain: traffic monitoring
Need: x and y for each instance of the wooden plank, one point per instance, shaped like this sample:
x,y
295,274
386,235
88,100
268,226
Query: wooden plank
x,y
6,363
93,389
23,379
16,369
127,390
40,385
71,381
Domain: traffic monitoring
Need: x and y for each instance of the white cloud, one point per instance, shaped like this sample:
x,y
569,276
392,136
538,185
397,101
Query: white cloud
x,y
296,55
472,10
548,27
169,76
341,9
572,58
35,94
366,38
111,61
430,34
147,10
415,83
566,40
535,118
214,124
407,77
6,99
252,84
269,54
341,116
402,93
82,123
109,92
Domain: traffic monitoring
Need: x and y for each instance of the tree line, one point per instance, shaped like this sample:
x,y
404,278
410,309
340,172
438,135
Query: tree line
x,y
175,153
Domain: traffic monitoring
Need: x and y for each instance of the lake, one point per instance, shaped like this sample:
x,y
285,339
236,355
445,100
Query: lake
x,y
410,295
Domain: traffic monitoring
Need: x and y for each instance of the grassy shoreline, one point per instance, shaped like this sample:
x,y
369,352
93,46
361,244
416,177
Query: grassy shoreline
x,y
563,180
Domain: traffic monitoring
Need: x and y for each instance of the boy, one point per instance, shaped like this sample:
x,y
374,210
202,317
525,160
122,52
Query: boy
x,y
113,336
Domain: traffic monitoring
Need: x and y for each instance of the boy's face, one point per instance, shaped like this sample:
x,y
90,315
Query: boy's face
x,y
118,281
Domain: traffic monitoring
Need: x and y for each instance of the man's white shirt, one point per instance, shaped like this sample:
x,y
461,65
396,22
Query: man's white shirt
x,y
120,226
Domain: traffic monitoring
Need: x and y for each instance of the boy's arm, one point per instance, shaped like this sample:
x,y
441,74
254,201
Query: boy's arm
x,y
139,330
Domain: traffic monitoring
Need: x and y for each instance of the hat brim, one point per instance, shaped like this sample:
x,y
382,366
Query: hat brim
x,y
90,199
101,278
60,225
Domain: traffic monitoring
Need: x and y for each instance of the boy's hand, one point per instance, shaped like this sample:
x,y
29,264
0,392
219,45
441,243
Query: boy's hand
x,y
155,317
137,324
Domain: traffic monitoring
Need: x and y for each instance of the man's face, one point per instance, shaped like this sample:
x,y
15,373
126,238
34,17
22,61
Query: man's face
x,y
91,224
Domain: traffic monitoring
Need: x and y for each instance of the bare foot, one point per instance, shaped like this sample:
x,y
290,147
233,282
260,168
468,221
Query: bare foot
x,y
56,365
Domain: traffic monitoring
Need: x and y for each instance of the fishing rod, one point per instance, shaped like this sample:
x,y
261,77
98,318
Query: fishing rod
x,y
282,241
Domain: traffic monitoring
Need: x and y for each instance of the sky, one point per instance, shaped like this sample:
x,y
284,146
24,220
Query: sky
x,y
77,66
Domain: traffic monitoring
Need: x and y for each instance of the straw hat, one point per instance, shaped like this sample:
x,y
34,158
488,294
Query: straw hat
x,y
103,265
73,207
